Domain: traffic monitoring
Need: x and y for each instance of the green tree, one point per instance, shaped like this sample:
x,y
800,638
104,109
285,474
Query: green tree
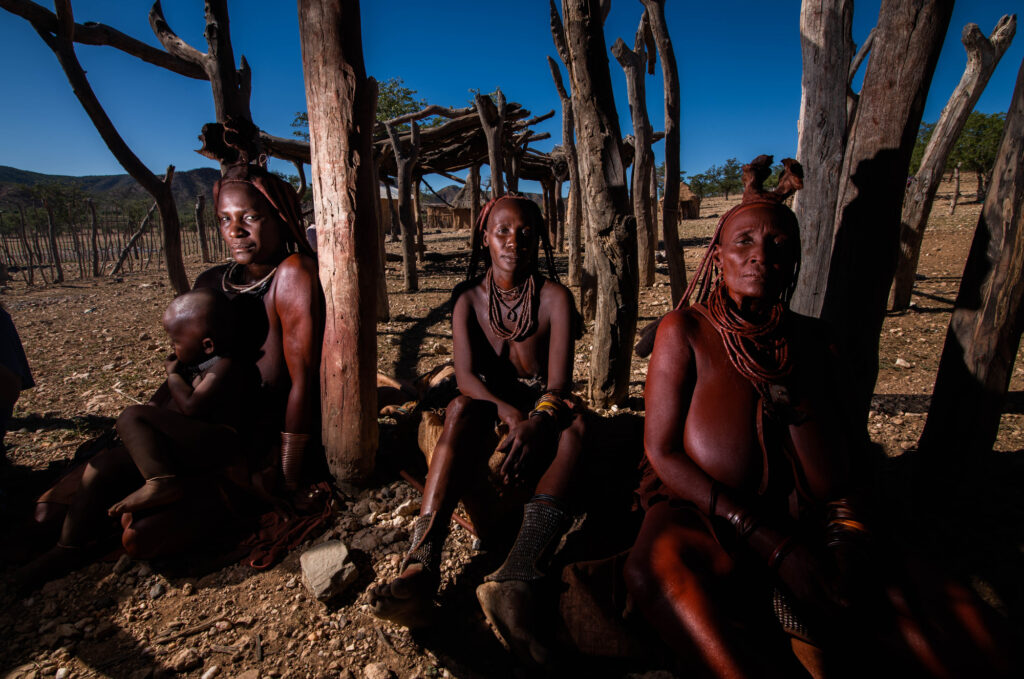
x,y
730,177
977,147
773,178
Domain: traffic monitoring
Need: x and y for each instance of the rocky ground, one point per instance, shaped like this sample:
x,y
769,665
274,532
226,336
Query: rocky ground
x,y
96,346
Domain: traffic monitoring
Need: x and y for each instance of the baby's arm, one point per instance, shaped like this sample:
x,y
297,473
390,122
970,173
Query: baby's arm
x,y
201,399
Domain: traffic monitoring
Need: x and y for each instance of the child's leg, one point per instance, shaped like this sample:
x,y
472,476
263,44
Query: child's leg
x,y
162,444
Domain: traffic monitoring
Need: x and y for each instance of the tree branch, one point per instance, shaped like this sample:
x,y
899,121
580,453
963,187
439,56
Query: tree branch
x,y
92,33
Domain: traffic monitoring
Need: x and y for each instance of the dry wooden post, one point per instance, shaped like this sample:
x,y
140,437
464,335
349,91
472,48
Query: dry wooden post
x,y
23,233
405,160
51,235
985,328
574,210
383,304
201,227
633,62
95,233
393,213
612,229
421,248
983,54
340,101
827,49
670,211
474,198
76,246
956,189
872,183
492,120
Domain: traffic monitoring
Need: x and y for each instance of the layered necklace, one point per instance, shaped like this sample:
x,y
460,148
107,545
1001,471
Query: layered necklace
x,y
514,306
758,351
257,288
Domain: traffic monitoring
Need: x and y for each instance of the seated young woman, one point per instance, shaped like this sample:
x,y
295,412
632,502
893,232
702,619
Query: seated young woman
x,y
513,331
752,533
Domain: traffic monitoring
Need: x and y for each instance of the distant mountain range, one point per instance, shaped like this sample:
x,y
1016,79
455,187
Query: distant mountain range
x,y
14,184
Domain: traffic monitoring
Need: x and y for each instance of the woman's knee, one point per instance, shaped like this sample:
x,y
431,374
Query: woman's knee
x,y
131,417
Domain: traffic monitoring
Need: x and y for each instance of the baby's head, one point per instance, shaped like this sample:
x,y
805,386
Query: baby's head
x,y
198,323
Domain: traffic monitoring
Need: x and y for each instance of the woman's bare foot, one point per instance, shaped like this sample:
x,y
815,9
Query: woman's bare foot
x,y
155,492
510,608
50,565
408,599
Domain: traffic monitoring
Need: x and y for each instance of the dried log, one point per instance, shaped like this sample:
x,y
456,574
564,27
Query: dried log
x,y
421,248
432,110
133,241
956,189
983,54
200,213
670,211
23,234
826,46
574,210
873,181
474,199
341,103
633,62
612,234
492,120
406,159
985,328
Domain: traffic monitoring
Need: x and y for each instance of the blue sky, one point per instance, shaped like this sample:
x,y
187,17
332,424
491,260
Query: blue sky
x,y
739,66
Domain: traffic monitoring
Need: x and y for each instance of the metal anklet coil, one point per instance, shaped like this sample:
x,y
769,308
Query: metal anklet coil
x,y
543,525
425,545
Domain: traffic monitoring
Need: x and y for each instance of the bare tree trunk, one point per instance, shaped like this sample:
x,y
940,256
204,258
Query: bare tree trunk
x,y
62,45
574,210
956,189
633,63
983,54
492,120
133,241
76,243
985,328
670,211
873,181
981,185
341,103
612,240
405,160
392,214
559,216
827,48
204,247
51,235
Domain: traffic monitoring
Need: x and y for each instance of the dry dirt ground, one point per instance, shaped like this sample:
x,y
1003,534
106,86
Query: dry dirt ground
x,y
96,346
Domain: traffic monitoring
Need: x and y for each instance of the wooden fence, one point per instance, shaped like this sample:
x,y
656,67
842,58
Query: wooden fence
x,y
36,242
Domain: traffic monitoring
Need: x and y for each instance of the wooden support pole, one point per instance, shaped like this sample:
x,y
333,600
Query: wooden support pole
x,y
340,101
200,213
492,120
406,161
574,210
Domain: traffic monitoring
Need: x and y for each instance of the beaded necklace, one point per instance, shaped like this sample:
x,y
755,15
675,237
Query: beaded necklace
x,y
514,305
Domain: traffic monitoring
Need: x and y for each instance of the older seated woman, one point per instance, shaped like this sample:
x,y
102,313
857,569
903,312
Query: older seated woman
x,y
751,480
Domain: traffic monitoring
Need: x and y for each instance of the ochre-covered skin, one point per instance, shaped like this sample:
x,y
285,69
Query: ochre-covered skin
x,y
721,527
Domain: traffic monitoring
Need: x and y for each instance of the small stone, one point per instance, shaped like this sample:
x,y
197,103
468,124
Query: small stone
x,y
407,508
211,673
223,625
185,660
156,591
366,542
124,562
244,620
440,350
144,570
143,673
901,363
906,445
67,631
292,583
188,588
144,336
62,673
249,674
326,569
377,670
